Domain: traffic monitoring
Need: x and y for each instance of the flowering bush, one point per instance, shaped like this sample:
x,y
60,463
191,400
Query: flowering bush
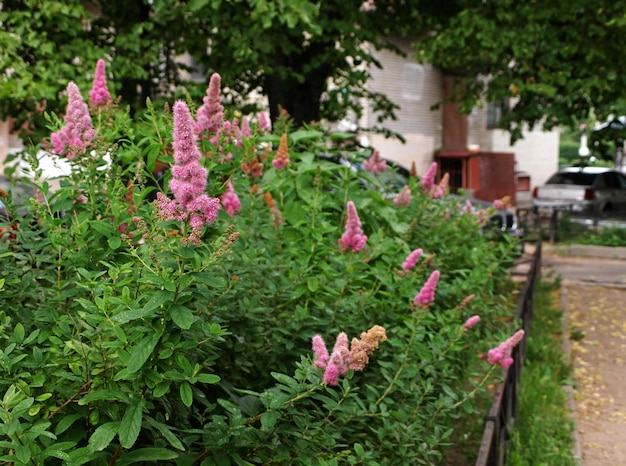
x,y
183,319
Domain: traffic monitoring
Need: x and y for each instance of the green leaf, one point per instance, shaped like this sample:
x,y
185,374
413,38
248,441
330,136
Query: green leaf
x,y
104,228
167,433
197,5
102,436
184,364
186,395
161,389
305,135
131,424
66,422
312,284
269,419
18,333
182,317
140,353
155,302
208,378
145,455
104,394
337,136
57,450
285,379
22,453
114,242
209,280
81,455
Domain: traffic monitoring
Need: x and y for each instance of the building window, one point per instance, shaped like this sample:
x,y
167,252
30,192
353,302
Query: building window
x,y
494,114
413,81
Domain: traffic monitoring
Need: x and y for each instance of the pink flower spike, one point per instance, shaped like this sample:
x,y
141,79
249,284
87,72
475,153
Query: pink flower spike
x,y
188,181
506,362
412,259
230,200
428,180
340,357
78,130
353,238
427,294
320,352
264,123
245,127
502,353
99,94
210,115
375,164
471,322
331,375
403,199
441,189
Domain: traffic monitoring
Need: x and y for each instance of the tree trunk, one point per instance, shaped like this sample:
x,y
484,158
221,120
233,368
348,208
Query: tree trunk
x,y
301,99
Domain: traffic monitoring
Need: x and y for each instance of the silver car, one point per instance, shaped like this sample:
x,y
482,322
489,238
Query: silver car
x,y
594,191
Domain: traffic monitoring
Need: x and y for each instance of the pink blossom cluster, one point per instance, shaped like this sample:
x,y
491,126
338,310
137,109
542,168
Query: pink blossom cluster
x,y
345,357
471,322
441,189
412,259
189,180
428,180
403,199
230,200
502,353
78,130
265,125
245,127
353,238
427,294
99,94
375,164
211,113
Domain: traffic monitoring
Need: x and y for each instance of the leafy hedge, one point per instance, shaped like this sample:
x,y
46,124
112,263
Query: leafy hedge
x,y
138,330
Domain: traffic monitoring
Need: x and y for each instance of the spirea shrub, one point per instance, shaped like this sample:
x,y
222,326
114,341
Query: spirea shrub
x,y
170,300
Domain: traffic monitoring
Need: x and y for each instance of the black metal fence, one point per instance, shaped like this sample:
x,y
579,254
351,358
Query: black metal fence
x,y
503,411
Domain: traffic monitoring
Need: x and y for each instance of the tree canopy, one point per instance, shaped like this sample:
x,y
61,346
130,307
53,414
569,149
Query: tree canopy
x,y
289,50
554,63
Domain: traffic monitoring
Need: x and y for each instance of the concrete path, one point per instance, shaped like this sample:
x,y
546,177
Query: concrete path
x,y
593,296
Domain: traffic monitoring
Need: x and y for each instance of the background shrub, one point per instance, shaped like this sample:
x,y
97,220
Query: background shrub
x,y
128,339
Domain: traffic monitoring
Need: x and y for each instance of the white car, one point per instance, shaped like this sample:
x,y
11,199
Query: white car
x,y
595,191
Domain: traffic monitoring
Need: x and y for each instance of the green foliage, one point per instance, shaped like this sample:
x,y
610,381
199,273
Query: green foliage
x,y
288,50
124,343
572,232
544,428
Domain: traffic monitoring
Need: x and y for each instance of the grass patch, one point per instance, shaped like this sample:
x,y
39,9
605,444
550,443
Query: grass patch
x,y
570,232
543,433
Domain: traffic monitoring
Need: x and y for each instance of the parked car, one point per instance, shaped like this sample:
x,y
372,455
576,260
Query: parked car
x,y
593,191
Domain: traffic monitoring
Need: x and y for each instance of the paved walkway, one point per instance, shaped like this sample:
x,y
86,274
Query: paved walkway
x,y
593,295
